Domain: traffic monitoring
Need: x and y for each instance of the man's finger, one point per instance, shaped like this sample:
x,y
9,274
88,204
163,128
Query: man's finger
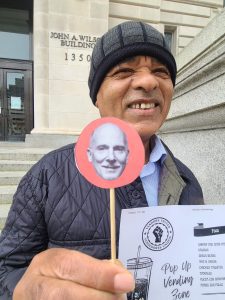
x,y
51,289
84,270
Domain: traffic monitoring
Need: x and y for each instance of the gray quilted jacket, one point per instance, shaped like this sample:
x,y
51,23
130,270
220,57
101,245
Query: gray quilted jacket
x,y
55,206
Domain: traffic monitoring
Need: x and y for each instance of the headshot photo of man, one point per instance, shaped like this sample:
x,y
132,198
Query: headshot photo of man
x,y
108,151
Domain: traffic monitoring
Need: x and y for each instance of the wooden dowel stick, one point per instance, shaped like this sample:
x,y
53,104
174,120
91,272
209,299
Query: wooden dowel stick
x,y
113,224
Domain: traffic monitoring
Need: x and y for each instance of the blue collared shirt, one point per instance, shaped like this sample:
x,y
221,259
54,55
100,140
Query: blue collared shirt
x,y
151,172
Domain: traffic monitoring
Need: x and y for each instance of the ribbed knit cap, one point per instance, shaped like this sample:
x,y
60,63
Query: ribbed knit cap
x,y
125,40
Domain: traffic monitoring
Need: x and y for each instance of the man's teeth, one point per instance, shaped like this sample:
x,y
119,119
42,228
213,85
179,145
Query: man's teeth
x,y
143,105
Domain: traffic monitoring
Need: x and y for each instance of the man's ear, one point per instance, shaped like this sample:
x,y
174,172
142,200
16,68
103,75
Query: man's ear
x,y
89,155
96,103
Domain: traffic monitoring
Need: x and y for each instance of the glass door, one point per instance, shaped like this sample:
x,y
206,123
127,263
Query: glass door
x,y
15,110
16,115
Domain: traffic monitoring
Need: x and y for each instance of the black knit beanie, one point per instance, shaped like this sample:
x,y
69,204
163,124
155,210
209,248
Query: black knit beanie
x,y
125,40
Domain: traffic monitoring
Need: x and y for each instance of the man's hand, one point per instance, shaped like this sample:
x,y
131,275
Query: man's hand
x,y
158,232
67,274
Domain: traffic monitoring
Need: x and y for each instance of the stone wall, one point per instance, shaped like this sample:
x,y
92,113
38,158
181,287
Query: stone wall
x,y
185,18
64,33
195,129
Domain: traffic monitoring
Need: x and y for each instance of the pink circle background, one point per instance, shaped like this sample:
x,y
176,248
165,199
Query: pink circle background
x,y
135,159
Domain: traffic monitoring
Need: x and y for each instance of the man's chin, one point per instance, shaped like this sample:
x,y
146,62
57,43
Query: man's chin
x,y
109,176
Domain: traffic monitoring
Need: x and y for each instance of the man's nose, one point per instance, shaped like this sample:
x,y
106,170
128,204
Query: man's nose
x,y
111,155
145,80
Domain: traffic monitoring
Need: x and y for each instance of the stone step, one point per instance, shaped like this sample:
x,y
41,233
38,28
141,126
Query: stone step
x,y
15,160
4,209
11,177
20,156
16,144
33,154
6,193
15,165
2,223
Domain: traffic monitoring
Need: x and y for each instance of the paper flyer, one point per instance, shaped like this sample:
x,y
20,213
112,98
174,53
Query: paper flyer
x,y
175,252
16,102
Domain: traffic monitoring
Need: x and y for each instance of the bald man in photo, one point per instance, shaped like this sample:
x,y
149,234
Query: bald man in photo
x,y
108,151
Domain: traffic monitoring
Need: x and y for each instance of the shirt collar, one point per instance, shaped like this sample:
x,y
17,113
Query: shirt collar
x,y
158,154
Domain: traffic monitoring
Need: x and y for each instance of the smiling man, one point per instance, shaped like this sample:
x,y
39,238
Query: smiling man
x,y
139,91
108,151
132,77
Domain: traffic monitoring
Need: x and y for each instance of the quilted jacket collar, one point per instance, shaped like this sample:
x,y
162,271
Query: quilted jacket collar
x,y
170,188
171,183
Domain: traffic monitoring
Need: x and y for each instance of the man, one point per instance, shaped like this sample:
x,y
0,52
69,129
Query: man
x,y
132,77
108,151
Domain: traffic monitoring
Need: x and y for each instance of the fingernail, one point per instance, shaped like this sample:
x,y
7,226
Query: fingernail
x,y
124,282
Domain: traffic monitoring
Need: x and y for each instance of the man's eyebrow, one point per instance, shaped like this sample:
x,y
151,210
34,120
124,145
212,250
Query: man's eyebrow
x,y
102,146
124,61
119,147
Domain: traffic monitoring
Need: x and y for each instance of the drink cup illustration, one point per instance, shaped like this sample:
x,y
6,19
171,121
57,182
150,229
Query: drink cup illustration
x,y
141,268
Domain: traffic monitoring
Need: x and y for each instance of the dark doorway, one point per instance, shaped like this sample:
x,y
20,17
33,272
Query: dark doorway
x,y
16,84
16,105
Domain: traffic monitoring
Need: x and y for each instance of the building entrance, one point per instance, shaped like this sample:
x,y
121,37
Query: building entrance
x,y
16,101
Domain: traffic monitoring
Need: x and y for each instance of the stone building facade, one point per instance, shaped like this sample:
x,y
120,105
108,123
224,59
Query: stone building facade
x,y
195,128
59,38
45,92
64,33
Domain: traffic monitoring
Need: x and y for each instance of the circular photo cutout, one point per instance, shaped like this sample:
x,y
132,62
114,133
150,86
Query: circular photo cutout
x,y
109,153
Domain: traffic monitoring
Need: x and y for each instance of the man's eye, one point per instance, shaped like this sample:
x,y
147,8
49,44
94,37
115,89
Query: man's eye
x,y
123,73
161,72
101,148
119,148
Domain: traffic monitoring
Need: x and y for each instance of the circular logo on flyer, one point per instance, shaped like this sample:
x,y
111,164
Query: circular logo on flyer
x,y
157,234
109,153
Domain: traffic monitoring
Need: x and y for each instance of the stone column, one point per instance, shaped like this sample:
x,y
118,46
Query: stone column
x,y
41,65
64,35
